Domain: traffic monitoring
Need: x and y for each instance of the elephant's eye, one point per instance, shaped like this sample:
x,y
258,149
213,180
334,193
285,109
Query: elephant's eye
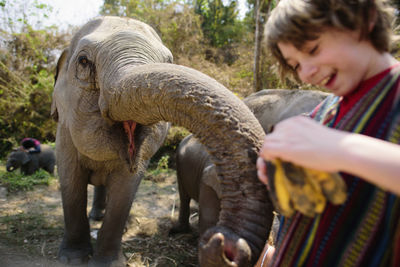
x,y
85,71
83,61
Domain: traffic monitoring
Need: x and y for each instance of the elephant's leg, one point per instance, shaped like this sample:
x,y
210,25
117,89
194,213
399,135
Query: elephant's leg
x,y
29,168
26,170
183,225
34,163
99,203
209,208
49,168
75,247
121,190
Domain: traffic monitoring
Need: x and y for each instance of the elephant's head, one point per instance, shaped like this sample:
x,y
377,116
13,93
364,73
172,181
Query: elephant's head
x,y
96,55
16,159
115,89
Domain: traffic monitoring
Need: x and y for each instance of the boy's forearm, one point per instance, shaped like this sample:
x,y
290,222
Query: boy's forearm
x,y
372,159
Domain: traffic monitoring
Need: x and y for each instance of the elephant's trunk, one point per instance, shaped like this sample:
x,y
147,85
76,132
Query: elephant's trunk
x,y
222,122
10,168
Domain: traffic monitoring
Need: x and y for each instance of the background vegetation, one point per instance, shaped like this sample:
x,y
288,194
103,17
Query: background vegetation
x,y
207,35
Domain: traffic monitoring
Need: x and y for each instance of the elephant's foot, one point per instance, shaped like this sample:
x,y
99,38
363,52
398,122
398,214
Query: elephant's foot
x,y
180,229
96,214
76,255
101,261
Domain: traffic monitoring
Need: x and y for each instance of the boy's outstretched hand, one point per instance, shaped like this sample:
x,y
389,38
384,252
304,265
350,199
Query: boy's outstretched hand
x,y
295,187
305,142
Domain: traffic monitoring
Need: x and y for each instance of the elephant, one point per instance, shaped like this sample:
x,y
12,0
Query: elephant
x,y
271,106
31,162
196,174
116,91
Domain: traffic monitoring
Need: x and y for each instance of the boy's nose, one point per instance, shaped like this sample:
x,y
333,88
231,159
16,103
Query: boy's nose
x,y
307,71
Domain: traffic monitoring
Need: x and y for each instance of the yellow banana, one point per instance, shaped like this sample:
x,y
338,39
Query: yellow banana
x,y
302,189
278,191
306,195
320,199
332,184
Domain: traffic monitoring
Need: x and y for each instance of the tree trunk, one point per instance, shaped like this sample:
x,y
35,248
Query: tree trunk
x,y
259,22
257,48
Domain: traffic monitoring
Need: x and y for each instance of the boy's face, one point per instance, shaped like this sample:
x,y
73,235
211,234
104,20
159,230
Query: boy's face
x,y
337,60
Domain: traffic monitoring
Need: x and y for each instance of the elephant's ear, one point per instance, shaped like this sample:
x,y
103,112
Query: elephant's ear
x,y
210,178
54,112
25,158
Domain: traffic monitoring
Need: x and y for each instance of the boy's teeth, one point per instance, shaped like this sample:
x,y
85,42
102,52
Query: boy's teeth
x,y
325,81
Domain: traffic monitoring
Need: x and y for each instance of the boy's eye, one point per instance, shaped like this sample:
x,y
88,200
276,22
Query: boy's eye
x,y
313,50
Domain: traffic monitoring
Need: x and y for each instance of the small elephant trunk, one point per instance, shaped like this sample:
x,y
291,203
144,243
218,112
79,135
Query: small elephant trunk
x,y
224,125
10,168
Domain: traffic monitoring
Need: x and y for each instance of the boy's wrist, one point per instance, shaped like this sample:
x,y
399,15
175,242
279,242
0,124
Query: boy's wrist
x,y
357,153
347,152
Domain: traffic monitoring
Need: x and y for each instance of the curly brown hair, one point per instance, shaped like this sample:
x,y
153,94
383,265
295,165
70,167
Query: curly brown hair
x,y
298,21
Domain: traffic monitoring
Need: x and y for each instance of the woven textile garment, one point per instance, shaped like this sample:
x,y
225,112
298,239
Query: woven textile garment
x,y
361,232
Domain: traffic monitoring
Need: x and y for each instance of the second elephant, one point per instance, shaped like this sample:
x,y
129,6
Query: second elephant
x,y
196,174
31,162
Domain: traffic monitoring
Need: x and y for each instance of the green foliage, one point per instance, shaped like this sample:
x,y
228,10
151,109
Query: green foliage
x,y
15,15
15,181
167,151
176,23
188,28
175,136
220,22
162,168
181,31
249,19
163,163
27,65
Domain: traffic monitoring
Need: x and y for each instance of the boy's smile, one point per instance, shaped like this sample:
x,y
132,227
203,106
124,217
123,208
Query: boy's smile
x,y
337,60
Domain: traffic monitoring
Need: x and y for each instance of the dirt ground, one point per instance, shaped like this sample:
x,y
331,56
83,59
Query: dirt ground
x,y
31,226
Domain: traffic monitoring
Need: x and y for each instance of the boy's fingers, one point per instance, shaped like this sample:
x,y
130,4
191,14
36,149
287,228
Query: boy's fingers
x,y
260,163
263,178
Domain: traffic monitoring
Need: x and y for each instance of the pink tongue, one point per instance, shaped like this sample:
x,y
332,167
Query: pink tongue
x,y
129,127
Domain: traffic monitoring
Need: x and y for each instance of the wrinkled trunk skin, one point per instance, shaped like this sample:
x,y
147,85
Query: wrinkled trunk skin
x,y
222,122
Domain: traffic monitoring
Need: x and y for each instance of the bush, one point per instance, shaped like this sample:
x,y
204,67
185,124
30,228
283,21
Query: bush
x,y
27,63
16,181
165,156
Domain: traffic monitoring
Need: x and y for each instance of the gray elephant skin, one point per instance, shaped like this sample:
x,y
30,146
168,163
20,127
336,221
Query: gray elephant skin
x,y
31,162
114,93
197,178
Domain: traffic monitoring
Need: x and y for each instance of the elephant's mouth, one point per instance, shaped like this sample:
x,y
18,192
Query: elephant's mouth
x,y
129,127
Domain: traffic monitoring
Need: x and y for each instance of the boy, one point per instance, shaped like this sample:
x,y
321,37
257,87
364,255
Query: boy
x,y
344,47
30,145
